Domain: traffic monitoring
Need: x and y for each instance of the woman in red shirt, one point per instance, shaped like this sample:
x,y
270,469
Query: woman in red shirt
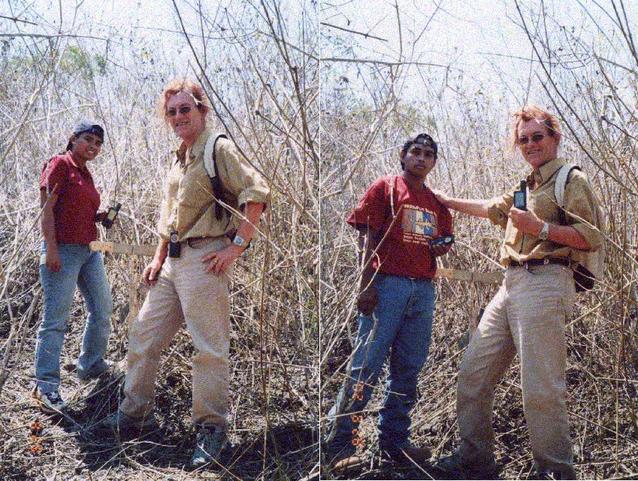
x,y
69,211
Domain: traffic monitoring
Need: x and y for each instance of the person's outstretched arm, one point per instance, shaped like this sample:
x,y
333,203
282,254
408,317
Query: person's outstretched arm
x,y
475,207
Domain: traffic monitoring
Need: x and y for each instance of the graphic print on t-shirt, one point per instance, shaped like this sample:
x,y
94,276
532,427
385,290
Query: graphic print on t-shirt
x,y
419,224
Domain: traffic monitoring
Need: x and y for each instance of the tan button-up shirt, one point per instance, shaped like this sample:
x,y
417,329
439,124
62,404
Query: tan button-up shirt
x,y
579,200
188,205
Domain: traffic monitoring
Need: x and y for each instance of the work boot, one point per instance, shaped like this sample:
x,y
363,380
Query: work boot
x,y
567,472
210,442
108,369
49,402
342,459
347,464
407,455
452,467
124,426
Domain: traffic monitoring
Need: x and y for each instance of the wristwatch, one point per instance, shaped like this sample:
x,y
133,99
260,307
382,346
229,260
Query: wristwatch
x,y
240,241
544,233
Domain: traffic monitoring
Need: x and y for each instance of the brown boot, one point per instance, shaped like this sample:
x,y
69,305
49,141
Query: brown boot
x,y
346,465
567,472
453,467
408,455
341,459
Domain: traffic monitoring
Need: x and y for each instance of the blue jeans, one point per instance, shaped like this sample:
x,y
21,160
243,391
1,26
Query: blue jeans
x,y
85,269
401,326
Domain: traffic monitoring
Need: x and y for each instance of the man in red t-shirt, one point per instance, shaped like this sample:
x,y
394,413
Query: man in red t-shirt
x,y
403,228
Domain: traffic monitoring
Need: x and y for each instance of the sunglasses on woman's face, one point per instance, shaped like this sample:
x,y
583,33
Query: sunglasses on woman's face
x,y
536,138
184,109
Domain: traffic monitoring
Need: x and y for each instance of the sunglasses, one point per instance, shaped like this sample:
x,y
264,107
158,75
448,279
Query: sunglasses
x,y
184,109
536,138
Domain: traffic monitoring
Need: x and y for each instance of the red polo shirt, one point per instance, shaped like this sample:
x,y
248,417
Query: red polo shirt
x,y
78,200
410,217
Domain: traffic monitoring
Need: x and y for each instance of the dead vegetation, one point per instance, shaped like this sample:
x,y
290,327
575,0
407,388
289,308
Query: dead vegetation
x,y
258,65
593,88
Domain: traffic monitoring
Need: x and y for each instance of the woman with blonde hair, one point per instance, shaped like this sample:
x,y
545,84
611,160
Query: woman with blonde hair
x,y
200,238
544,241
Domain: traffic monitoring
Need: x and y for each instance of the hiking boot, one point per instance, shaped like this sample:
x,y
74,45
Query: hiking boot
x,y
123,425
452,467
346,464
407,455
341,458
49,402
208,447
109,369
565,473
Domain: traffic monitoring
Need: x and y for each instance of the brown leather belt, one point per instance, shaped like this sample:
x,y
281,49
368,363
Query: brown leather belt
x,y
541,262
198,242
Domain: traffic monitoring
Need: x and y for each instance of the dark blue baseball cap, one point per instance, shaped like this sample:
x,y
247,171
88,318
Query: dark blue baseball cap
x,y
84,126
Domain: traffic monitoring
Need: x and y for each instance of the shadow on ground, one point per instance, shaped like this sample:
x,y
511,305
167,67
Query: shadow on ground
x,y
287,448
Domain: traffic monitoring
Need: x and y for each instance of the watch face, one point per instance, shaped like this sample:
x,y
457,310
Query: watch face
x,y
238,241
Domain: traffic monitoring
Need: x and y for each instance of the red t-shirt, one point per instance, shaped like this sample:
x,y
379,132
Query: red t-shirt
x,y
419,218
78,200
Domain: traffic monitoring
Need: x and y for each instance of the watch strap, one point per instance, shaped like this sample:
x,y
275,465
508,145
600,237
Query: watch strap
x,y
240,241
544,233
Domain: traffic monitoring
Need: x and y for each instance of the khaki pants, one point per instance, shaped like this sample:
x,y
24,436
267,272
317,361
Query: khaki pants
x,y
184,292
527,316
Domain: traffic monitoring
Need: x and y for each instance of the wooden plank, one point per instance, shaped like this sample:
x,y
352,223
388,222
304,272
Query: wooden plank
x,y
119,248
469,276
149,250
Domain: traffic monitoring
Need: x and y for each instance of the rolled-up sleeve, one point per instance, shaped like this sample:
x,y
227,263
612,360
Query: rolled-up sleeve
x,y
582,209
498,208
238,176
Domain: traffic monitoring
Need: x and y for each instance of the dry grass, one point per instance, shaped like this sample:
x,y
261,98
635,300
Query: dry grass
x,y
367,127
264,94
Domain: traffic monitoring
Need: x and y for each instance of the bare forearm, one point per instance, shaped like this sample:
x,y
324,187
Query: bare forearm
x,y
48,228
567,236
47,221
252,212
475,207
368,244
161,250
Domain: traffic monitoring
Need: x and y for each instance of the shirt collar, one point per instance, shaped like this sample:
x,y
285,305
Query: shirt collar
x,y
187,155
82,170
545,172
200,144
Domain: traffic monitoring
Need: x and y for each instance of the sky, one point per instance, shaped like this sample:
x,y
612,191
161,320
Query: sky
x,y
481,39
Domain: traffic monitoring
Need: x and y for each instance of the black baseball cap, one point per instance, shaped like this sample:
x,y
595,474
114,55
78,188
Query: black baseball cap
x,y
423,139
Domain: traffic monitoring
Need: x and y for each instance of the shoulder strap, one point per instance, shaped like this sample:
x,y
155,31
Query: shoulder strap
x,y
210,164
559,187
390,207
393,196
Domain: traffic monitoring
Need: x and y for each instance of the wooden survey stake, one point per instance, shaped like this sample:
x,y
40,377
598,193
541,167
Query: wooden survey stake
x,y
495,277
119,248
